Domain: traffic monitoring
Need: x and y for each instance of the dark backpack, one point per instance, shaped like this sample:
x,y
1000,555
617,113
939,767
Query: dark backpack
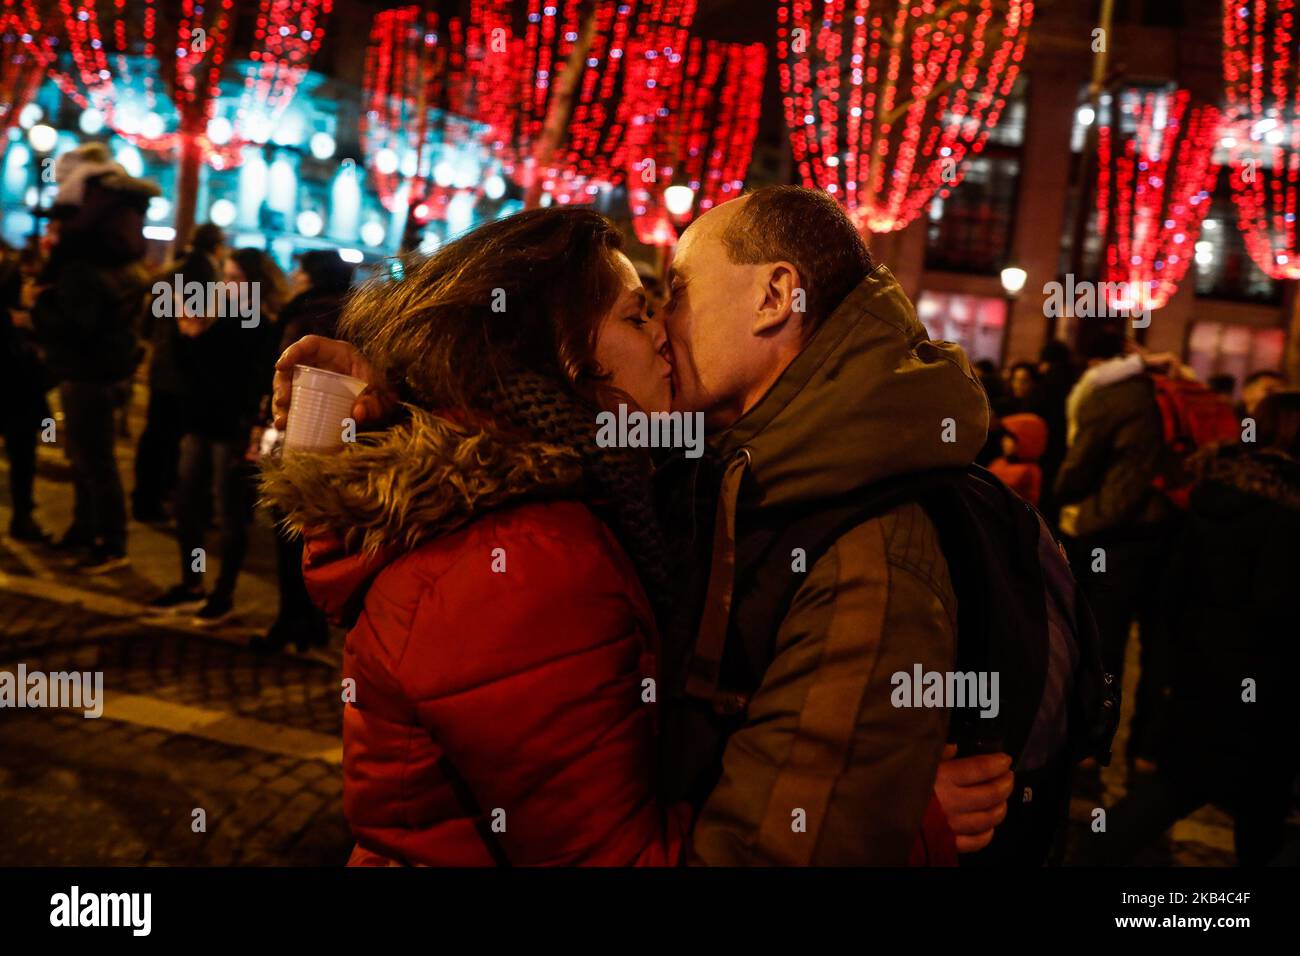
x,y
1020,613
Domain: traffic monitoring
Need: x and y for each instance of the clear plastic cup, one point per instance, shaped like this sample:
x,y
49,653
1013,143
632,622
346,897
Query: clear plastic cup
x,y
320,403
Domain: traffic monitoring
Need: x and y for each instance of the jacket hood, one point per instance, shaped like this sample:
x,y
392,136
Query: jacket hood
x,y
1030,433
372,500
869,397
1263,473
423,478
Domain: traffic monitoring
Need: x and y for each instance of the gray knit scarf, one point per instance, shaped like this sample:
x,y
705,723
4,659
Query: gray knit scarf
x,y
617,481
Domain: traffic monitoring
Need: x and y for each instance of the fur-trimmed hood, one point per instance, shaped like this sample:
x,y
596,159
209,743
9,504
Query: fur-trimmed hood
x,y
1263,473
417,480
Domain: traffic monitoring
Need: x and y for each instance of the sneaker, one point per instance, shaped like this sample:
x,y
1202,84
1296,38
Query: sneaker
x,y
150,514
24,528
101,561
273,641
179,598
215,610
74,539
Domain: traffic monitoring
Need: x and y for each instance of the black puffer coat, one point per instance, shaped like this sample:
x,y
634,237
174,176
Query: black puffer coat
x,y
1231,591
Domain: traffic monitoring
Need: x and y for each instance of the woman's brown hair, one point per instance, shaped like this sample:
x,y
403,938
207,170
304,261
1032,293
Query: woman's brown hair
x,y
526,292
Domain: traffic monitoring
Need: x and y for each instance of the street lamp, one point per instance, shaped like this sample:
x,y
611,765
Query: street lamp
x,y
1013,283
679,199
43,138
1013,280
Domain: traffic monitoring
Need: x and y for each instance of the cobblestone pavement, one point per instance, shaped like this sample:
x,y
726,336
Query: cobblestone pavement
x,y
193,720
191,723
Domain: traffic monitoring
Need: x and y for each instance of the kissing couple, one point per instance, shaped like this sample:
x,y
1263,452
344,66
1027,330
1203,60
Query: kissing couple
x,y
565,653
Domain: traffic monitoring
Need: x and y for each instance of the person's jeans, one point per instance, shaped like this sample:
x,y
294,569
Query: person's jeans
x,y
20,435
296,607
158,453
99,510
212,470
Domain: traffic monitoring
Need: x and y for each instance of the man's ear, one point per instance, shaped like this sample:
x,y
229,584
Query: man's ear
x,y
781,298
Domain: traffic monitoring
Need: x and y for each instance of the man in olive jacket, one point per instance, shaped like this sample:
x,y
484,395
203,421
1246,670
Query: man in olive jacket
x,y
816,380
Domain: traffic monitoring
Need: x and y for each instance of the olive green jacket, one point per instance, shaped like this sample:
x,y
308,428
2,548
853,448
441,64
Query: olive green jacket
x,y
824,770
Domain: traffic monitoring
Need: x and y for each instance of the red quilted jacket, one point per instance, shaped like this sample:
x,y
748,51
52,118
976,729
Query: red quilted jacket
x,y
498,712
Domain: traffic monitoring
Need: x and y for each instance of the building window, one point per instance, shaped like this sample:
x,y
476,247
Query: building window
x,y
1223,269
976,323
971,230
1216,348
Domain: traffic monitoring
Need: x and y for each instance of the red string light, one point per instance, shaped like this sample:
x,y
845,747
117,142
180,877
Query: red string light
x,y
637,46
1262,128
701,136
881,144
1155,182
23,59
286,36
102,71
287,33
415,96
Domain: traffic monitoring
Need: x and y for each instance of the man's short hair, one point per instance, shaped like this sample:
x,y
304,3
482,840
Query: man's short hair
x,y
809,229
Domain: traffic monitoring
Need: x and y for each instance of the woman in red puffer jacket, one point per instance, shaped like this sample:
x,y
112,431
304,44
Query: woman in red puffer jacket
x,y
500,664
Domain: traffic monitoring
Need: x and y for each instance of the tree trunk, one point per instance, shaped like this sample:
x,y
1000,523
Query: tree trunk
x,y
1291,358
187,188
560,108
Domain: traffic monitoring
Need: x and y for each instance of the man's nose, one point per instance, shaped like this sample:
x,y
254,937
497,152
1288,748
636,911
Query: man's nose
x,y
660,338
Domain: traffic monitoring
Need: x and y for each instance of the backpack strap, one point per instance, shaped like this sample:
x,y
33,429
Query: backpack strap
x,y
820,524
704,669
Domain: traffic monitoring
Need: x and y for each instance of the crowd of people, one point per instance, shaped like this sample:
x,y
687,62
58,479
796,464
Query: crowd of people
x,y
81,312
1180,515
508,587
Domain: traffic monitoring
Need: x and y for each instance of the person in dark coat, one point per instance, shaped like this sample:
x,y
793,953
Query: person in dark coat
x,y
1231,735
1120,527
225,361
320,283
157,454
23,384
85,317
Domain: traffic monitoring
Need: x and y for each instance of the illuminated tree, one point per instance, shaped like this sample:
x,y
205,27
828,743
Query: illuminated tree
x,y
701,139
885,98
567,95
23,60
1155,181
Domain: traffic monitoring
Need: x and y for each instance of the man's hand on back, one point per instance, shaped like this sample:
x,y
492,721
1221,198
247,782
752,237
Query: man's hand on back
x,y
973,792
372,406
